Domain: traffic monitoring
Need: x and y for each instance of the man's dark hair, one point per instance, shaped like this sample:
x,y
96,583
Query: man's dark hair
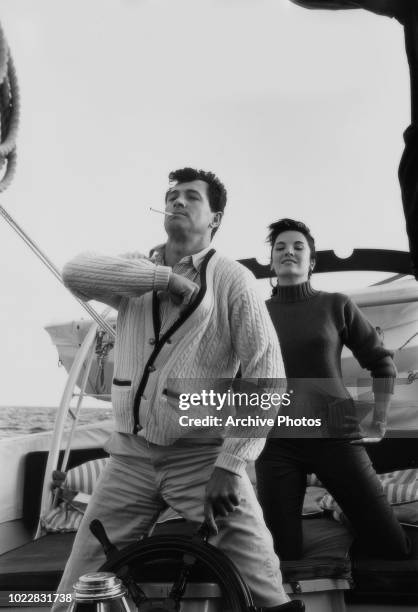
x,y
216,189
285,225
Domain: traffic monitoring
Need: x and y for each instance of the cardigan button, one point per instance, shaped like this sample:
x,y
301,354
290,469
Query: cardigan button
x,y
151,368
169,341
151,341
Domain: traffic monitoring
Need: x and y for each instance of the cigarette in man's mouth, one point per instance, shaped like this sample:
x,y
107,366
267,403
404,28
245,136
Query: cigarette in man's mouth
x,y
162,212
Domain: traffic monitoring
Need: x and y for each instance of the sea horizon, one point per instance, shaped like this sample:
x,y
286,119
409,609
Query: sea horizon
x,y
23,420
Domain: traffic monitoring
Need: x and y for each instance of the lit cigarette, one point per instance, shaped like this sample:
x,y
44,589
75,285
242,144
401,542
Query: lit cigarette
x,y
162,212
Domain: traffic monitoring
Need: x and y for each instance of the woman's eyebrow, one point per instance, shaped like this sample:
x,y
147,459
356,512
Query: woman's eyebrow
x,y
281,242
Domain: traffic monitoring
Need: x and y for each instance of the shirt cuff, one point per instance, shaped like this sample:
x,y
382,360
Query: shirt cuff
x,y
232,463
384,385
161,278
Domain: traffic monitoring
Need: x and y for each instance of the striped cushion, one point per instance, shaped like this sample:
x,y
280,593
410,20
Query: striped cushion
x,y
401,487
62,519
83,477
66,516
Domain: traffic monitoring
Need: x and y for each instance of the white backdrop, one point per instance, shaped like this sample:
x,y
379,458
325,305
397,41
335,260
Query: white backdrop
x,y
299,112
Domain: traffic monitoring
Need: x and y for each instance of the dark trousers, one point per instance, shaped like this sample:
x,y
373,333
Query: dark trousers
x,y
346,472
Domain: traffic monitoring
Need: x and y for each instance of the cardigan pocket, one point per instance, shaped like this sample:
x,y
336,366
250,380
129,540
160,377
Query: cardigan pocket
x,y
122,405
121,382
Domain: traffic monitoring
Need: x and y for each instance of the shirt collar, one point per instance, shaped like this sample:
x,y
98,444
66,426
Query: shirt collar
x,y
157,256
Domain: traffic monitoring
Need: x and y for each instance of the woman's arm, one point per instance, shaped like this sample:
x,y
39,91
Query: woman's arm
x,y
363,340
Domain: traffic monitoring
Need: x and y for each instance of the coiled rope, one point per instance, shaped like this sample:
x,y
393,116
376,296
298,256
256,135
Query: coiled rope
x,y
9,114
9,123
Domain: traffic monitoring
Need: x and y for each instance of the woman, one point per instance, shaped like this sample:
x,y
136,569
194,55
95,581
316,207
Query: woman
x,y
313,326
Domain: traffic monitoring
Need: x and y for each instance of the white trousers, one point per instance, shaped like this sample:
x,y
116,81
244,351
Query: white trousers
x,y
132,491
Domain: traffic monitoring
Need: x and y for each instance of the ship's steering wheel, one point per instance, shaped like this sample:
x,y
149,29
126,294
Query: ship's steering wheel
x,y
182,557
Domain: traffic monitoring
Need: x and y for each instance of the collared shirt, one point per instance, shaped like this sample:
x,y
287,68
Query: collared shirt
x,y
189,267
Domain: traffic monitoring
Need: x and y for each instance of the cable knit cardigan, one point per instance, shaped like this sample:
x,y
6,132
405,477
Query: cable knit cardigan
x,y
227,325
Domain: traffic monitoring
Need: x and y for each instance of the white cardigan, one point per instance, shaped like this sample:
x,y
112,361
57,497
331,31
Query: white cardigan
x,y
227,325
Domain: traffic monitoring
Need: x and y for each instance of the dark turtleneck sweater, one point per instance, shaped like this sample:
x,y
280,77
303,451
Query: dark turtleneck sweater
x,y
313,326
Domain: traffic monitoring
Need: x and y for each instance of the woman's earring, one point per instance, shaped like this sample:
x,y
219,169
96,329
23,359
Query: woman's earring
x,y
273,287
311,269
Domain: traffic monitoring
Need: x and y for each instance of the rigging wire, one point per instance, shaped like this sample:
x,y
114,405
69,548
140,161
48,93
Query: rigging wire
x,y
53,269
407,342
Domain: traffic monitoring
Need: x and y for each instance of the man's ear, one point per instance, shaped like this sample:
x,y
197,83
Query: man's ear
x,y
217,218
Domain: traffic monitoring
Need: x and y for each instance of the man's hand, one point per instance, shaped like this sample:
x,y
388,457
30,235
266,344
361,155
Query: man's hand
x,y
181,290
221,497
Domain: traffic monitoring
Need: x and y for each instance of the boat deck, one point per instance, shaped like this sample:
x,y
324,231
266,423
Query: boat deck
x,y
380,585
13,534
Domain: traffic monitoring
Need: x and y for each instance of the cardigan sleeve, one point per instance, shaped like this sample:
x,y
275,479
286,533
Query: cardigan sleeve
x,y
91,276
255,342
363,340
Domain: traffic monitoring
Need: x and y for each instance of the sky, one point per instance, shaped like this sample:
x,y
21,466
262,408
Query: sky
x,y
299,112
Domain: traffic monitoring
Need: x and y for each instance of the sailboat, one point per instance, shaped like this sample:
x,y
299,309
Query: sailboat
x,y
32,561
324,582
390,305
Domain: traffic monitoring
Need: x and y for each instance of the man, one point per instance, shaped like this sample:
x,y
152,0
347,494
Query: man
x,y
188,313
406,12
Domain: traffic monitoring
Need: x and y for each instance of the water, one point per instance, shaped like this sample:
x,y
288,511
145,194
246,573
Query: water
x,y
23,420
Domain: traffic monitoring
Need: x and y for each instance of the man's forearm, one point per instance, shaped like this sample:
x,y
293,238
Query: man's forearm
x,y
236,452
93,276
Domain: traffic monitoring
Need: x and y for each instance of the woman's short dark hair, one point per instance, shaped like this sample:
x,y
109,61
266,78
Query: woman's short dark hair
x,y
286,225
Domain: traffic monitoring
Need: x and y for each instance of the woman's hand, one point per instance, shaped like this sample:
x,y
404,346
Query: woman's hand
x,y
375,434
376,431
